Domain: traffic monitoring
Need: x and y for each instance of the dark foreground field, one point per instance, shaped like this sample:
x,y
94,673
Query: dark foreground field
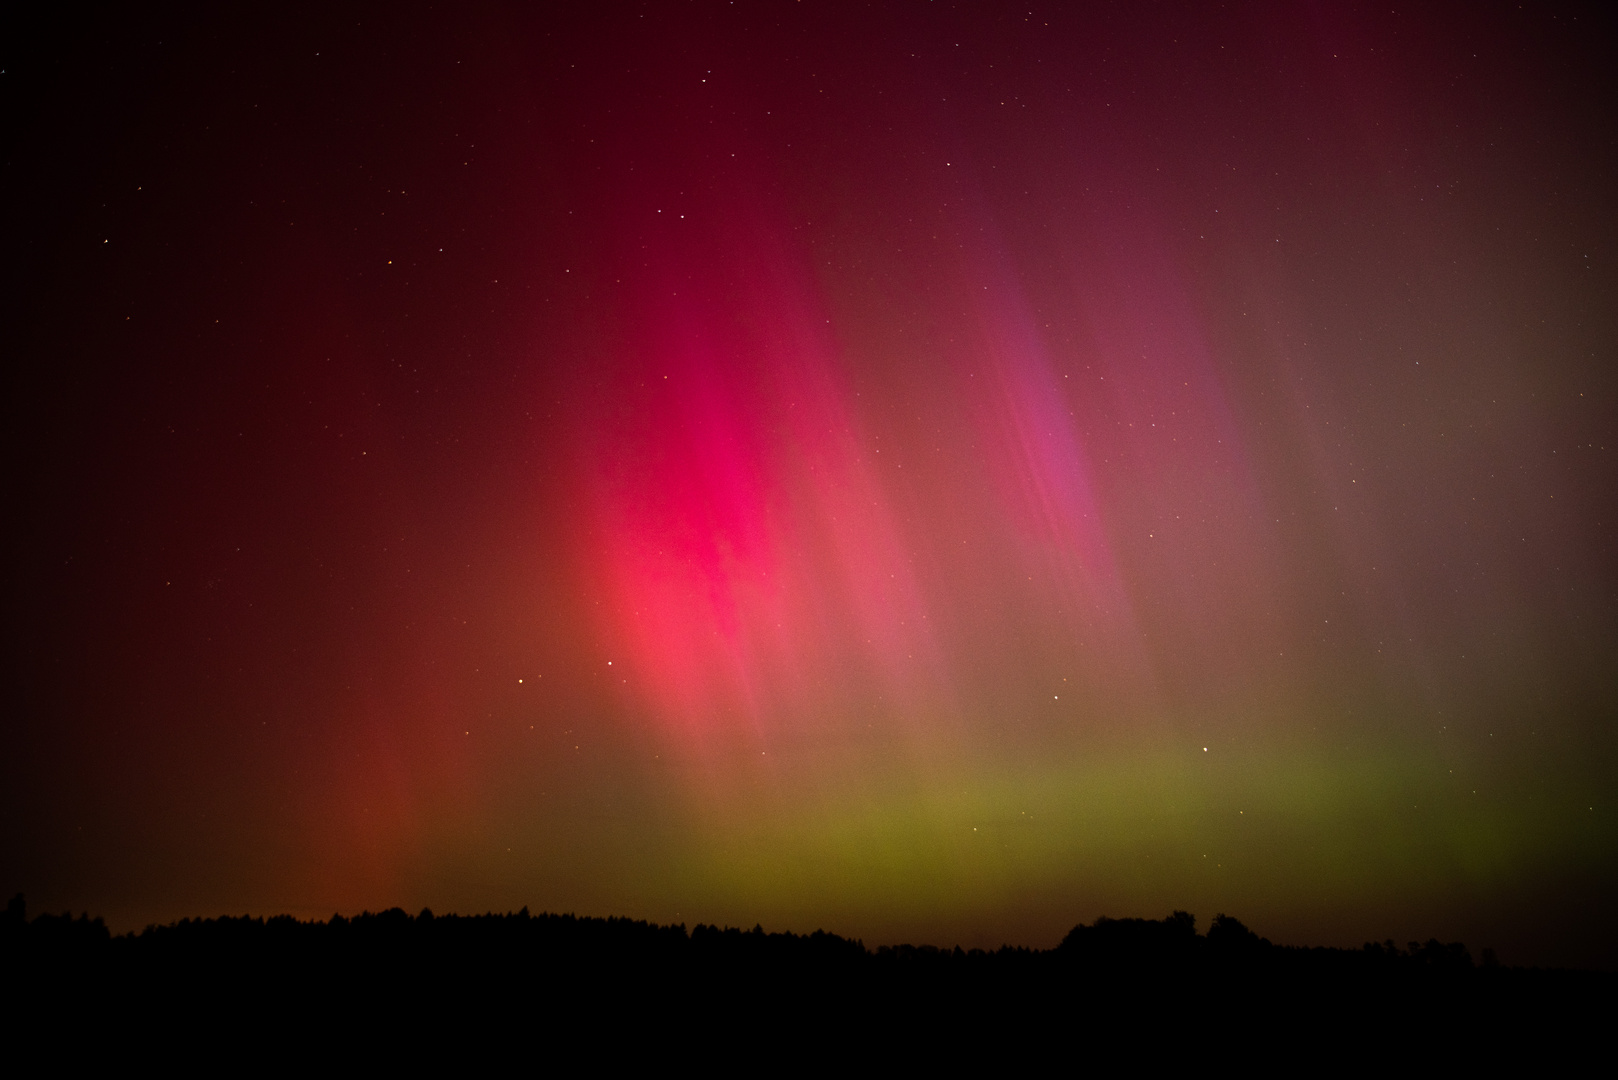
x,y
392,985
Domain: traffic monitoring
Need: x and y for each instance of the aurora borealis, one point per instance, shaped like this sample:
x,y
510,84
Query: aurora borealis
x,y
932,472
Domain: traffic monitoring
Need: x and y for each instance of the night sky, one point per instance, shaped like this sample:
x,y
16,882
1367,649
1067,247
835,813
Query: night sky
x,y
935,472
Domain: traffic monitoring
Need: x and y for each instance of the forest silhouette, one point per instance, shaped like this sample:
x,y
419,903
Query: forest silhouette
x,y
622,981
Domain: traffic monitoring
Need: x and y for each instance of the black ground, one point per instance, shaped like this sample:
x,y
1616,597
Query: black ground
x,y
391,984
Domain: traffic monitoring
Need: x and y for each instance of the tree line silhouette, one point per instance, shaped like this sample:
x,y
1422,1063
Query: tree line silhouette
x,y
1151,945
579,973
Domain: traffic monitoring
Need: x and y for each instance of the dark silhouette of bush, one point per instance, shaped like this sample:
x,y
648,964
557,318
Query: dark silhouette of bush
x,y
1230,936
1151,942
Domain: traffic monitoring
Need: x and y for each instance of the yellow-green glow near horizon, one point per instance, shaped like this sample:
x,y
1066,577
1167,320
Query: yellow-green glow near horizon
x,y
1307,838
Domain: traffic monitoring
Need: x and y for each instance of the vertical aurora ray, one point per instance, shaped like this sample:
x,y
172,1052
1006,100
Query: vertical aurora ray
x,y
1042,471
759,583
